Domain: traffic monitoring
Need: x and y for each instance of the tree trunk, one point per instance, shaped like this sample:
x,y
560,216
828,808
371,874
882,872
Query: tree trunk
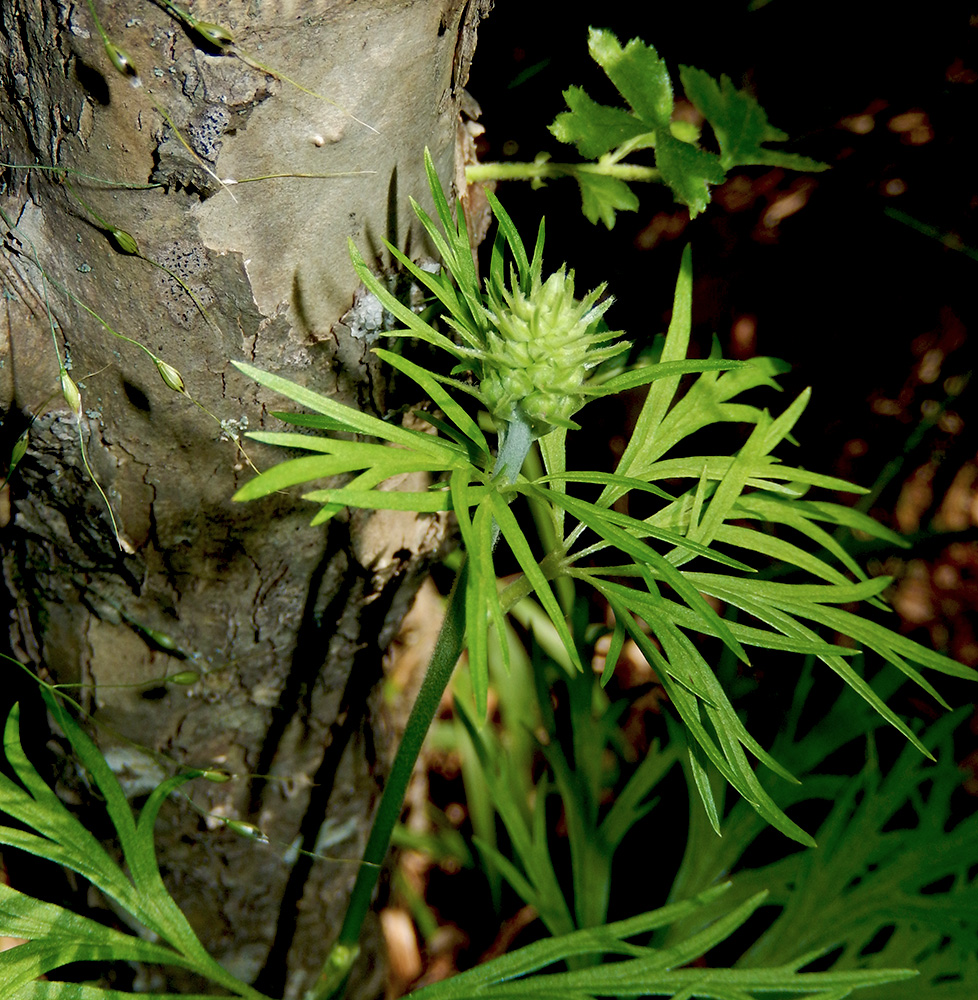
x,y
285,624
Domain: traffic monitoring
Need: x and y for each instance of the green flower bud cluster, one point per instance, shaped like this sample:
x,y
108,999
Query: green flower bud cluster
x,y
539,349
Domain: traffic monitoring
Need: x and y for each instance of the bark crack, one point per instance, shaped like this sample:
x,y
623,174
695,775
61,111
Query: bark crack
x,y
365,670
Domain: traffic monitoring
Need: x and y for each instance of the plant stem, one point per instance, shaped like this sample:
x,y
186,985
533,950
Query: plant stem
x,y
515,442
540,170
446,653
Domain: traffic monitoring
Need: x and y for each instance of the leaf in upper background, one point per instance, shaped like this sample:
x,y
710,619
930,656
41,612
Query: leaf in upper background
x,y
596,129
602,196
740,123
643,81
607,134
593,128
638,73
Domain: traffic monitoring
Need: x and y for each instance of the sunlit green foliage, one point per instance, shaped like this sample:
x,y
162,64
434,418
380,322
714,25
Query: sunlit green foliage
x,y
653,570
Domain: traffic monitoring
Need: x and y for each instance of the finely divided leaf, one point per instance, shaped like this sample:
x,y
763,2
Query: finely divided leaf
x,y
57,937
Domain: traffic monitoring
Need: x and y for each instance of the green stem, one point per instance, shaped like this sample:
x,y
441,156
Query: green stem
x,y
443,659
540,170
515,442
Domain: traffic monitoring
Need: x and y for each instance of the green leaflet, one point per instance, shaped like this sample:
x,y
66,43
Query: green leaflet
x,y
595,128
740,123
608,134
602,197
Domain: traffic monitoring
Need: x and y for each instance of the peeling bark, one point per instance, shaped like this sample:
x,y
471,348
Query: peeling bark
x,y
286,624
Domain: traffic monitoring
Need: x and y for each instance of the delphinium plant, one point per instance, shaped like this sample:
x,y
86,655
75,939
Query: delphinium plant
x,y
521,324
663,540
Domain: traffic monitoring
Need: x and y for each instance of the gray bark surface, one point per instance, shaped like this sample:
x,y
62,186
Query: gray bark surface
x,y
286,624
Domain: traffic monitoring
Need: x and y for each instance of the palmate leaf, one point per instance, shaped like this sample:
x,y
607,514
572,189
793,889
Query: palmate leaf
x,y
643,81
595,128
750,486
57,937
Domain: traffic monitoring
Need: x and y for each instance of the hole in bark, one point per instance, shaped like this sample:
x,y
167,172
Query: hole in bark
x,y
136,396
93,81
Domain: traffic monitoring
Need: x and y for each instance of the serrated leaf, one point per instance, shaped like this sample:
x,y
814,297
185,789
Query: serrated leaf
x,y
594,128
740,123
602,196
637,72
689,171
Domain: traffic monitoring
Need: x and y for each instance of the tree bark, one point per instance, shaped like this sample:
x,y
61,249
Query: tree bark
x,y
285,624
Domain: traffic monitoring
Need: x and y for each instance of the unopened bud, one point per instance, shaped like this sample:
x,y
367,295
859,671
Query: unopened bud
x,y
160,638
214,34
247,830
17,452
120,59
71,393
185,677
171,376
124,241
218,777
